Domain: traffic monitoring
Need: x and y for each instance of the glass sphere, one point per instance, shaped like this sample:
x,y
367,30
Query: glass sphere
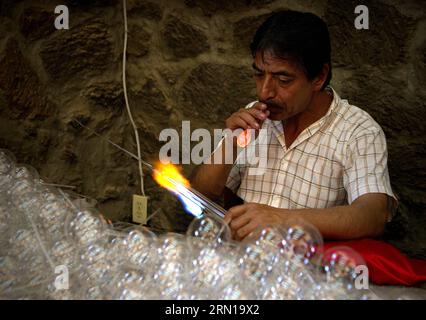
x,y
140,246
85,227
261,253
211,269
267,236
171,246
5,219
20,187
64,253
169,279
237,289
21,240
26,172
340,267
281,287
29,203
52,216
61,294
7,170
9,274
170,272
117,246
208,230
130,292
92,292
188,294
129,284
7,161
340,263
95,262
303,242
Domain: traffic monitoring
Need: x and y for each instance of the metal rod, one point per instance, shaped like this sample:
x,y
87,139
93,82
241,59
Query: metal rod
x,y
213,206
204,201
201,199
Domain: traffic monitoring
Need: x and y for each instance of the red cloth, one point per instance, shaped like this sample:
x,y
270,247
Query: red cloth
x,y
386,264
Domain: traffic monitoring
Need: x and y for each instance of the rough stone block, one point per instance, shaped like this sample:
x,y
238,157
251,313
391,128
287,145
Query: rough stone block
x,y
108,95
145,10
213,91
212,7
36,23
385,42
183,40
21,86
84,49
245,29
149,107
138,42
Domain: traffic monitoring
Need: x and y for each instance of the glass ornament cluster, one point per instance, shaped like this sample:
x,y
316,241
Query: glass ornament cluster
x,y
53,247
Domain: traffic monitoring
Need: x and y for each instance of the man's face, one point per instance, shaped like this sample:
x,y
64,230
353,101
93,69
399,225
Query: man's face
x,y
282,85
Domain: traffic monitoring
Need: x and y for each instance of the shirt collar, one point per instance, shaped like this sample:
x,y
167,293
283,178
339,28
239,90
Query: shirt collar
x,y
277,127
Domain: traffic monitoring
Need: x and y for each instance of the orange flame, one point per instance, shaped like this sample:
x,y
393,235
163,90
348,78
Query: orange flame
x,y
244,138
163,172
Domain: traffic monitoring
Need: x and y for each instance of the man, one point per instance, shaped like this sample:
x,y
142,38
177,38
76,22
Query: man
x,y
326,159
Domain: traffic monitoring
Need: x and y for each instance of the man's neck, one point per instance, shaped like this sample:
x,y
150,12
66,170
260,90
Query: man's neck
x,y
318,108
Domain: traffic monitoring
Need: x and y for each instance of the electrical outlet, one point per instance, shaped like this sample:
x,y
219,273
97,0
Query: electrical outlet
x,y
140,208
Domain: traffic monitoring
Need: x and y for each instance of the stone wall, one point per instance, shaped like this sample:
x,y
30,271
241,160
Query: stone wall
x,y
189,59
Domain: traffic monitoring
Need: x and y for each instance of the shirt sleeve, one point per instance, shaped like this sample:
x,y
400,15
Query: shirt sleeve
x,y
366,169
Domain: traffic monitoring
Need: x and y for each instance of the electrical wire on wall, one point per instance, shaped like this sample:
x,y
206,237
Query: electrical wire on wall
x,y
127,100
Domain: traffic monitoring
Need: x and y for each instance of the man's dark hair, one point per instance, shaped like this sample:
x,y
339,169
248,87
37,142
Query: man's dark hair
x,y
300,37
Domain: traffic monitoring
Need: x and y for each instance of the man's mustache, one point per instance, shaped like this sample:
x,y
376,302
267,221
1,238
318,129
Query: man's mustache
x,y
272,104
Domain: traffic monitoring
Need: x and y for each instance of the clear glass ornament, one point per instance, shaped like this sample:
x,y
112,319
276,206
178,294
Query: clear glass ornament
x,y
85,227
92,292
7,169
21,240
19,187
26,172
170,272
53,214
340,266
7,161
261,254
141,246
129,284
340,263
303,242
95,263
5,219
208,230
211,269
64,252
29,203
237,289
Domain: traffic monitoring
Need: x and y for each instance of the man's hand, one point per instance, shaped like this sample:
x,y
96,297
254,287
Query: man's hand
x,y
248,118
210,178
246,218
364,218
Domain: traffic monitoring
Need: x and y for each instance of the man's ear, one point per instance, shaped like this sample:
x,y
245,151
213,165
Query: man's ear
x,y
322,77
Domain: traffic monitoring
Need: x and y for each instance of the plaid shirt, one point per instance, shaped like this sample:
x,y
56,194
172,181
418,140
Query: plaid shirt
x,y
335,160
